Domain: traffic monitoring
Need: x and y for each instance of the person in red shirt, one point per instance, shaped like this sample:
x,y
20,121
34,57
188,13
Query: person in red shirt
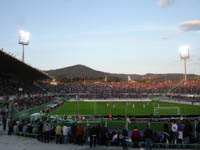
x,y
79,134
135,137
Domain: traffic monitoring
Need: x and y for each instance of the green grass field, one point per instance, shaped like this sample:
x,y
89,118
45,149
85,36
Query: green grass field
x,y
124,108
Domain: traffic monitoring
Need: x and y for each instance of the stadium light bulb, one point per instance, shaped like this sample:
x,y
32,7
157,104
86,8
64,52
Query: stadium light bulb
x,y
184,52
24,37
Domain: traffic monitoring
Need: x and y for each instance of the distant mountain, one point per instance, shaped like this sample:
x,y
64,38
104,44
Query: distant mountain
x,y
81,71
77,71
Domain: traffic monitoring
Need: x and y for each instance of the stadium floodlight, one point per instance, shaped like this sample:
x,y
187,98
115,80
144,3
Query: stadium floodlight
x,y
184,54
24,40
24,37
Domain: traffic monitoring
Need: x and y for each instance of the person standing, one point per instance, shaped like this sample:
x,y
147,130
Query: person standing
x,y
135,137
16,128
190,131
104,135
180,132
87,134
4,120
186,132
58,132
198,132
93,134
47,129
166,132
10,127
148,133
79,134
40,132
174,132
65,130
73,133
124,135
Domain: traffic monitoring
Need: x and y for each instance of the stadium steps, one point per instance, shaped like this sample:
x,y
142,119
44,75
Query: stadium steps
x,y
169,91
39,86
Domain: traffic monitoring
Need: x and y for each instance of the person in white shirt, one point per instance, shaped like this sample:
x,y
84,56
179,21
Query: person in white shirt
x,y
16,128
174,132
47,129
114,138
65,130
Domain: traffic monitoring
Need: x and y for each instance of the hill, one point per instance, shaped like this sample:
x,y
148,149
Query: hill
x,y
77,71
81,71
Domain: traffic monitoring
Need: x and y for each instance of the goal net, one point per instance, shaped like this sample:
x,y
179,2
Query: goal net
x,y
166,110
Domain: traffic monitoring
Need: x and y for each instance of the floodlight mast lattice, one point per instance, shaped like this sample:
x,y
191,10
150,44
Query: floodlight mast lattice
x,y
24,40
184,54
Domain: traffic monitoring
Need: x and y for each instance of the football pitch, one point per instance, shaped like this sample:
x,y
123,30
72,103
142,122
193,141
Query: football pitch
x,y
126,108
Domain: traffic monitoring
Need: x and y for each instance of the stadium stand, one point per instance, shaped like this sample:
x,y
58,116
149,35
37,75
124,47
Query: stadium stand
x,y
17,83
187,90
18,77
13,67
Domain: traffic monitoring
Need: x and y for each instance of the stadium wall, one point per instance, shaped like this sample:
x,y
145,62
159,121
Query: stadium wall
x,y
112,100
180,102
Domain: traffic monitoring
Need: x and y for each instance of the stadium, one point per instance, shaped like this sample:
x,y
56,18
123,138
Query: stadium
x,y
32,95
136,84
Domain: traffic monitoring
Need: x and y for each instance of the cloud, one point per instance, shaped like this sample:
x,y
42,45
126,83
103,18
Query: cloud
x,y
193,25
164,37
165,3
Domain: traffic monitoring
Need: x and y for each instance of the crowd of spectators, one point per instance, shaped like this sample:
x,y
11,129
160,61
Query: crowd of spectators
x,y
30,102
189,87
9,87
105,90
125,89
110,89
177,132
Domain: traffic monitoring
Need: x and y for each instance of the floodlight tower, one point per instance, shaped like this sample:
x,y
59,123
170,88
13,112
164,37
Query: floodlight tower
x,y
24,40
184,54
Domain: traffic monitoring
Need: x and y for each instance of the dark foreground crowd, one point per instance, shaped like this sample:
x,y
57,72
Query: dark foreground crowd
x,y
176,133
